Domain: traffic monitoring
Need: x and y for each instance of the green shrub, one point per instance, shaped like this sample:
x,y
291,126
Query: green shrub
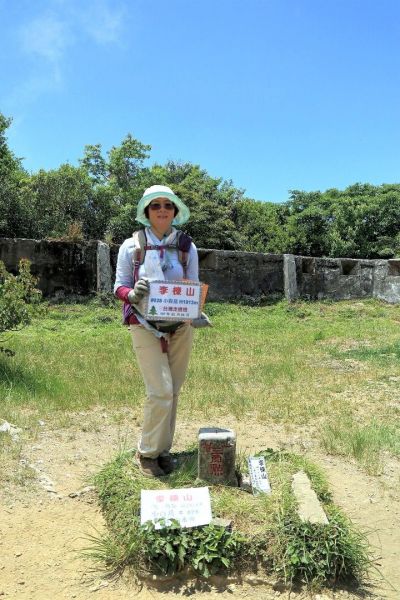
x,y
208,550
17,296
320,554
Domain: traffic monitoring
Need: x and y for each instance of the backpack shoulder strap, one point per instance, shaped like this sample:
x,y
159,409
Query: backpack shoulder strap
x,y
184,241
139,253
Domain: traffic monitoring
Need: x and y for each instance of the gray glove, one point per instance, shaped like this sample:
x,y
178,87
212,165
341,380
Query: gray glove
x,y
202,321
141,288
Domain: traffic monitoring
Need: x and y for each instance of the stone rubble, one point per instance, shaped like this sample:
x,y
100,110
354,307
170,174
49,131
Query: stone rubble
x,y
13,430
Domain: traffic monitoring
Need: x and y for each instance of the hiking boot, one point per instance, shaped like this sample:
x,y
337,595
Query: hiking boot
x,y
149,467
167,463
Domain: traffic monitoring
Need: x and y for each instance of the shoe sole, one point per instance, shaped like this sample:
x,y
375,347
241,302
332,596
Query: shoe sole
x,y
151,476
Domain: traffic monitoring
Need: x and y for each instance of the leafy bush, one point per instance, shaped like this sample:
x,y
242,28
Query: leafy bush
x,y
208,550
317,554
18,295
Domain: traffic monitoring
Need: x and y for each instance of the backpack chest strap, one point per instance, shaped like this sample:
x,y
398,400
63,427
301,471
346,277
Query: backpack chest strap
x,y
160,248
137,260
182,244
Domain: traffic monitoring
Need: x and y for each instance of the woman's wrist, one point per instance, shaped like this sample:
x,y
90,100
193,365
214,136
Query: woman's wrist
x,y
122,292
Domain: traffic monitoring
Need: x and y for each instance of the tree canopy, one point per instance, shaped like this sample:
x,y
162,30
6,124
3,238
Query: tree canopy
x,y
98,198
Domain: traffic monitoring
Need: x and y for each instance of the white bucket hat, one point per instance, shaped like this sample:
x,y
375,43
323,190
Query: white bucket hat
x,y
161,191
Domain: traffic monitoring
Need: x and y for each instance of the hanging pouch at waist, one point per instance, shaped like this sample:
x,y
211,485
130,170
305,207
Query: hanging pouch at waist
x,y
166,326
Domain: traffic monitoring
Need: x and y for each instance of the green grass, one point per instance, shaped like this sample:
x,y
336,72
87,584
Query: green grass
x,y
268,536
365,443
382,355
76,357
302,364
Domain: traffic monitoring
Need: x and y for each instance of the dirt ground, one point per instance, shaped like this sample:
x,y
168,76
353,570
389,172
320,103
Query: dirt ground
x,y
43,525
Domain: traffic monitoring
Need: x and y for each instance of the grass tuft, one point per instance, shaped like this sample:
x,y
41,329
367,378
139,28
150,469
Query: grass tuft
x,y
320,554
267,533
364,443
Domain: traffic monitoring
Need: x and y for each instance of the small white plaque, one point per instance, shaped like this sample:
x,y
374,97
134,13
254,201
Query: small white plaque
x,y
173,301
259,475
190,506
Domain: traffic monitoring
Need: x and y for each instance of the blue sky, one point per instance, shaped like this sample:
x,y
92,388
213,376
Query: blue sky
x,y
273,94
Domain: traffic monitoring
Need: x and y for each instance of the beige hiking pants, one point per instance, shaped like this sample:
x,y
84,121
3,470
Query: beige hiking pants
x,y
163,374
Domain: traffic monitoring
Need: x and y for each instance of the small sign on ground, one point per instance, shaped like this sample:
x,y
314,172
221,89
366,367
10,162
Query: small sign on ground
x,y
190,506
259,475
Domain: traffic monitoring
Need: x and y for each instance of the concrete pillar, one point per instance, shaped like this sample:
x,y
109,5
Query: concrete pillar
x,y
104,283
217,455
290,278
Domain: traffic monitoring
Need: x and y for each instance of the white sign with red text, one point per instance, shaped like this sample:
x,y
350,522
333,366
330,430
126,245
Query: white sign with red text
x,y
190,506
173,301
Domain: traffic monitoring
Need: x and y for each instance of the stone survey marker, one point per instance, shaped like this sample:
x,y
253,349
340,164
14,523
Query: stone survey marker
x,y
217,453
308,506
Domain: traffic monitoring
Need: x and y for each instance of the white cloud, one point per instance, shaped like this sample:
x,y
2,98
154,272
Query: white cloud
x,y
102,22
46,37
44,42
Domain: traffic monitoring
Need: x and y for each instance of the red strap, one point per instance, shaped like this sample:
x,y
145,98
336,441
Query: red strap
x,y
133,320
164,344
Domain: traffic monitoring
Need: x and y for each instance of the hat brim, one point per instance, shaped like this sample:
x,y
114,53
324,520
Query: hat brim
x,y
180,218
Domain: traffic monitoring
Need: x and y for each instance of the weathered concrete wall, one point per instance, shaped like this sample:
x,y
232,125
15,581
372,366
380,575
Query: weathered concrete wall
x,y
62,267
387,280
104,273
235,275
334,278
341,278
290,277
66,268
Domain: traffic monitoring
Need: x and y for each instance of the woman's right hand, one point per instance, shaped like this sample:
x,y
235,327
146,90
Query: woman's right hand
x,y
141,288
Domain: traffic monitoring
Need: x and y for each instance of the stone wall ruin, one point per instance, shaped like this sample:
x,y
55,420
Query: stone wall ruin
x,y
84,268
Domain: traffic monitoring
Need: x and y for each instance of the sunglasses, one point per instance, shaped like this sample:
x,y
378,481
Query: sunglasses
x,y
157,206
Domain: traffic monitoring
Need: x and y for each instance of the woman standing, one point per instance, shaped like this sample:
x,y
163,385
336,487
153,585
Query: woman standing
x,y
162,349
